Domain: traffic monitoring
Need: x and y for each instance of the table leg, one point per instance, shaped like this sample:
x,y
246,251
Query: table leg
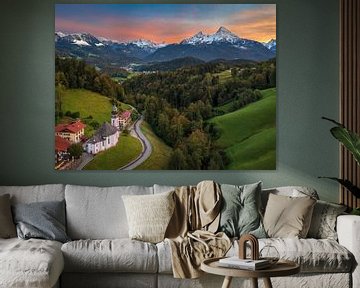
x,y
254,282
267,283
227,282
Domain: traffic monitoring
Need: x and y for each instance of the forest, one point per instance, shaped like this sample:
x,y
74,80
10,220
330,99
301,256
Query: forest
x,y
177,104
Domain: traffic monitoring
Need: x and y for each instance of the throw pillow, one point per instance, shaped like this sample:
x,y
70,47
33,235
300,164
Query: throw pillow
x,y
149,215
43,220
288,217
7,227
240,213
323,222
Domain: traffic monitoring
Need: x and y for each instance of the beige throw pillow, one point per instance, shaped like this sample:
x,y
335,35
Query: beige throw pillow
x,y
7,226
288,217
149,215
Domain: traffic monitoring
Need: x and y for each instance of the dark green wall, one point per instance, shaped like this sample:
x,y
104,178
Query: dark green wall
x,y
307,89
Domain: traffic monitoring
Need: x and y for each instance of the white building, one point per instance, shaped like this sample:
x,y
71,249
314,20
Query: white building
x,y
106,136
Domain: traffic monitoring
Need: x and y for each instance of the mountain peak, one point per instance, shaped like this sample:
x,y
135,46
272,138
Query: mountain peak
x,y
222,29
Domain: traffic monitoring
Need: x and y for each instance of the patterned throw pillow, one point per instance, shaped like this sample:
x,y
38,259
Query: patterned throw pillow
x,y
149,215
323,223
288,217
240,213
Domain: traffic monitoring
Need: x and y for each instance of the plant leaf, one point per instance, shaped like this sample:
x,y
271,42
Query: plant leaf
x,y
347,184
349,139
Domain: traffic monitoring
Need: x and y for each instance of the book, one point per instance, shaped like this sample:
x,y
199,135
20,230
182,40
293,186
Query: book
x,y
248,264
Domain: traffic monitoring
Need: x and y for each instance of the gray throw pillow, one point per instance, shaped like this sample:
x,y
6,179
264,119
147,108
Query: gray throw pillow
x,y
323,222
7,227
43,220
240,213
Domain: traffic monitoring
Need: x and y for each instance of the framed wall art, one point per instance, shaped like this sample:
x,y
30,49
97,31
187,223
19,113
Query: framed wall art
x,y
165,87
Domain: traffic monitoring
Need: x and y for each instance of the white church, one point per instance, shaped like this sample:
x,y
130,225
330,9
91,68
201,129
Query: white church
x,y
107,135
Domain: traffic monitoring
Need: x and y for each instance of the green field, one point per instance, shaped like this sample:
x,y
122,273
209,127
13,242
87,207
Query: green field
x,y
88,103
127,149
160,156
224,76
248,134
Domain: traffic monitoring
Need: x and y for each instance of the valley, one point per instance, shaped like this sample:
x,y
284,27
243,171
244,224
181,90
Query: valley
x,y
209,101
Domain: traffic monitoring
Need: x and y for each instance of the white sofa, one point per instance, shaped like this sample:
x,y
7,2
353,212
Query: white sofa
x,y
101,255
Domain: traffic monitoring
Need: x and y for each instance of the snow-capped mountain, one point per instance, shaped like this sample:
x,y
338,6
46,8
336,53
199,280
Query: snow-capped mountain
x,y
223,44
221,35
271,45
80,39
143,43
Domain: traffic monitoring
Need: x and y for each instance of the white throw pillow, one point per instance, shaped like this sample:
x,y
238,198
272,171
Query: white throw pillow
x,y
149,215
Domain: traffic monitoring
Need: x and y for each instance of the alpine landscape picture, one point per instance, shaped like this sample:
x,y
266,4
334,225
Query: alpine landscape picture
x,y
165,86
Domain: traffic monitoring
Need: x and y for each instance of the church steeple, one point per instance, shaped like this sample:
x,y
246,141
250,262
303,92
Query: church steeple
x,y
115,117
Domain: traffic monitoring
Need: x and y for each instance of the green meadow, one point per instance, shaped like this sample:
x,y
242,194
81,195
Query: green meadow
x,y
248,134
127,149
88,103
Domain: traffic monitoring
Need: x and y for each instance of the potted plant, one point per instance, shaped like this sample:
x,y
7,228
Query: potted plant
x,y
351,141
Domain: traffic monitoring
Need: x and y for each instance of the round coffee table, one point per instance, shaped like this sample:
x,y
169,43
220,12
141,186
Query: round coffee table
x,y
281,268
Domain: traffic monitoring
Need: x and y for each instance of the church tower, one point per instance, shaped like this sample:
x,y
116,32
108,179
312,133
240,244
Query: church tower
x,y
115,117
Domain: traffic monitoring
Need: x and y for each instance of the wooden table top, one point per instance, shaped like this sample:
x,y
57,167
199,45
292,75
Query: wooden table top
x,y
281,268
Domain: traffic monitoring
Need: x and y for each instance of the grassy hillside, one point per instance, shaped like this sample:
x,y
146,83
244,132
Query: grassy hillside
x,y
224,76
88,103
160,156
127,149
248,135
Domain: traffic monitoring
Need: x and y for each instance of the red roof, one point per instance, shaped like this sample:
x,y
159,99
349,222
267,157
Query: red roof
x,y
61,144
125,115
73,127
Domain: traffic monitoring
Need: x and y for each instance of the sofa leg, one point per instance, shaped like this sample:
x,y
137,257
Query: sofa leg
x,y
227,282
267,283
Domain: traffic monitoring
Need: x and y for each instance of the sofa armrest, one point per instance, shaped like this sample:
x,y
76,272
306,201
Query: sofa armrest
x,y
348,230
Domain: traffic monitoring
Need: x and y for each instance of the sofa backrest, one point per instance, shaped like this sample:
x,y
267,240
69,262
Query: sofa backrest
x,y
293,191
36,193
98,213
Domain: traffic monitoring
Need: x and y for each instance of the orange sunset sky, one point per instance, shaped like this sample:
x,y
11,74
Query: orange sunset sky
x,y
168,23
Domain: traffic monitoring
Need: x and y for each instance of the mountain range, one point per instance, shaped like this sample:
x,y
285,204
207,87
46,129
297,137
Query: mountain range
x,y
102,52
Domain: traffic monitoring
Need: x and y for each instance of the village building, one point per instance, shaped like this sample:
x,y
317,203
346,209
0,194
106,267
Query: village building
x,y
61,148
72,132
120,121
124,119
106,136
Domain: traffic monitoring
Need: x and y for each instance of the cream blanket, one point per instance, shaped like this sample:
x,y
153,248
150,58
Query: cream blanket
x,y
191,231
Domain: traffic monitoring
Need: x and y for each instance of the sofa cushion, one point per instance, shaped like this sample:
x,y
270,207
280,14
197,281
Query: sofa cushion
x,y
149,215
240,210
36,193
323,222
7,226
313,255
42,220
287,216
30,263
117,255
98,213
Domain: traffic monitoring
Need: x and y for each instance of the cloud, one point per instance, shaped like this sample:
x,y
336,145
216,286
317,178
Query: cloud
x,y
257,23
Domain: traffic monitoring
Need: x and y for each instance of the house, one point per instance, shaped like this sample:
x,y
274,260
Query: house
x,y
72,132
124,119
105,137
61,148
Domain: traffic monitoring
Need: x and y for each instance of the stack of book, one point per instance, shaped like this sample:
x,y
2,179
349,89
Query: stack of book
x,y
248,264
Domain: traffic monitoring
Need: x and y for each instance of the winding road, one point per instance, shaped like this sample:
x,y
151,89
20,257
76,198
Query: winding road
x,y
146,146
